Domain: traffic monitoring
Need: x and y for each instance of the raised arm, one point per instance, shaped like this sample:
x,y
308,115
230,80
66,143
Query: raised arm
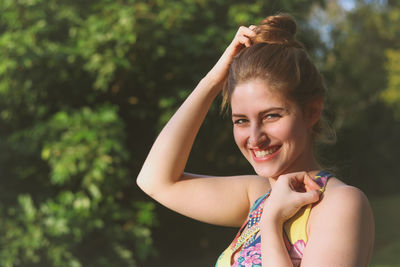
x,y
217,200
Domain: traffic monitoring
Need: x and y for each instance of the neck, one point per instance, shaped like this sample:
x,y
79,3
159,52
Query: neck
x,y
311,166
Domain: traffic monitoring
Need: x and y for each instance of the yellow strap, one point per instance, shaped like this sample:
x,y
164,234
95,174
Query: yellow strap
x,y
296,227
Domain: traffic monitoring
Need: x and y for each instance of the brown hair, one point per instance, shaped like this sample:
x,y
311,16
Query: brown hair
x,y
278,58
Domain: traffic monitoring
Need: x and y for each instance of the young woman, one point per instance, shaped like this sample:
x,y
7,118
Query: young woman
x,y
292,212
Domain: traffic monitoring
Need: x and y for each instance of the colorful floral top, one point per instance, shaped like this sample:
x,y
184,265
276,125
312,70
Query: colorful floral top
x,y
247,243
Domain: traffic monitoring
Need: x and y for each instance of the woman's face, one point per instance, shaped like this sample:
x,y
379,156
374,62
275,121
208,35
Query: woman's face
x,y
271,131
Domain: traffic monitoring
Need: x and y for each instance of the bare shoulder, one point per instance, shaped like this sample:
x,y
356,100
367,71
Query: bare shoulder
x,y
343,219
343,201
343,198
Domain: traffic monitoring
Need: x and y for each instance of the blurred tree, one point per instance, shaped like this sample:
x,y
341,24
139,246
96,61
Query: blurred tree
x,y
357,72
66,186
391,95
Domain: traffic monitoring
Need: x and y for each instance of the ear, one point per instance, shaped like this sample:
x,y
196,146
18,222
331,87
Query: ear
x,y
314,111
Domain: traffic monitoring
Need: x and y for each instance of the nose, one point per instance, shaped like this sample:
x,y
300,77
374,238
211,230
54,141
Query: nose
x,y
257,136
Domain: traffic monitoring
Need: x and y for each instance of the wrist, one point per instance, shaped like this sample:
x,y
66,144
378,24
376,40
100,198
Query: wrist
x,y
272,215
272,218
213,84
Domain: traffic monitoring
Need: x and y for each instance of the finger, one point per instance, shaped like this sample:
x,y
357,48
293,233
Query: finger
x,y
308,197
252,27
306,179
246,32
302,178
244,40
302,181
292,184
309,183
297,186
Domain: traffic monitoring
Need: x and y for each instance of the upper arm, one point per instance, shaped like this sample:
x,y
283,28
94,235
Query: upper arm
x,y
216,200
341,230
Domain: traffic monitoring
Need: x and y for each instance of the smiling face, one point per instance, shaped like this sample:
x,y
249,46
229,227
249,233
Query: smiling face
x,y
271,132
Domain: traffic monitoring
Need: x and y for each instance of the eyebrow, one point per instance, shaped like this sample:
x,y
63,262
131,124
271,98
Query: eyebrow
x,y
262,112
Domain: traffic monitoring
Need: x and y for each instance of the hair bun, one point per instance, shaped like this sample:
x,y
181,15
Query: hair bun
x,y
279,29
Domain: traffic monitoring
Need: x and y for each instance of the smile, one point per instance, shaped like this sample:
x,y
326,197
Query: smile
x,y
265,154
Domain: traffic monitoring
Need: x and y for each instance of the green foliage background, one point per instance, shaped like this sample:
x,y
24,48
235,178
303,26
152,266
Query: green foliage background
x,y
85,86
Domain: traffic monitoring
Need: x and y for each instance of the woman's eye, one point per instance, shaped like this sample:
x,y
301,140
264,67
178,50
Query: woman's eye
x,y
272,116
240,121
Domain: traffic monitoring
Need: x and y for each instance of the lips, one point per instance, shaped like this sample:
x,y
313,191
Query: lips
x,y
265,154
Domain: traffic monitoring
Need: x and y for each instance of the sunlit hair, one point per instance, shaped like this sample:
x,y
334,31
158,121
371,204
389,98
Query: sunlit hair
x,y
279,59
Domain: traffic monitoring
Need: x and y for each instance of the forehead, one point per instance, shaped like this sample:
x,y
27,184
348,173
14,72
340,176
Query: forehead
x,y
256,94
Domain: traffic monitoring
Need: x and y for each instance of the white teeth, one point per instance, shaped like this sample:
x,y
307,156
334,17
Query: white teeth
x,y
263,153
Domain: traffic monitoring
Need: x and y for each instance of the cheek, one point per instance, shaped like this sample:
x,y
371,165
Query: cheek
x,y
289,130
283,130
240,137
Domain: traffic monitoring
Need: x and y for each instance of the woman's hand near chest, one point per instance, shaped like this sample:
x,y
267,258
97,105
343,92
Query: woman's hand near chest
x,y
340,227
290,193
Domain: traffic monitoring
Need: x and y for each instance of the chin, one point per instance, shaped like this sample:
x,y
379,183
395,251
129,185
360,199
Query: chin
x,y
268,173
272,169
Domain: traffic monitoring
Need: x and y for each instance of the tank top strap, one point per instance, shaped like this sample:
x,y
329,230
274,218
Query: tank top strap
x,y
295,229
258,201
321,178
246,232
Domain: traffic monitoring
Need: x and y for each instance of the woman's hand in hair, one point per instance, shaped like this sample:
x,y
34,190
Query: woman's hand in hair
x,y
290,192
219,72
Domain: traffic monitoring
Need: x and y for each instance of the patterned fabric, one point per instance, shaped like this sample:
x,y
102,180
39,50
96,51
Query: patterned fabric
x,y
247,244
